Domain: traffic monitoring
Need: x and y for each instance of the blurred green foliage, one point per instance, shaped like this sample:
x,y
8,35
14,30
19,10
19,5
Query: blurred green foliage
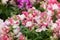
x,y
58,1
6,10
37,6
33,35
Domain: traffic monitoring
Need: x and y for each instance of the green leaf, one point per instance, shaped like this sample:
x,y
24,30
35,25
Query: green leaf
x,y
41,9
58,1
37,5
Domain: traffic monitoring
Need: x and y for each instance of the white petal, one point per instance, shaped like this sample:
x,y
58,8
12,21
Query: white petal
x,y
38,30
4,1
22,16
54,25
54,6
29,23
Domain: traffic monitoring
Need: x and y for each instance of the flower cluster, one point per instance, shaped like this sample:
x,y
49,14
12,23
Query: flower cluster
x,y
33,22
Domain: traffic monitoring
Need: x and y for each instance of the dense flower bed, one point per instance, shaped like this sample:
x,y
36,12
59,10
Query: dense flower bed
x,y
30,20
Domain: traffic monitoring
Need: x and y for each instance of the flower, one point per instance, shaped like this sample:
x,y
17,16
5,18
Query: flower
x,y
19,34
25,13
21,3
21,37
52,1
49,13
2,25
22,17
55,6
28,24
16,31
54,25
32,1
4,37
4,1
43,28
58,22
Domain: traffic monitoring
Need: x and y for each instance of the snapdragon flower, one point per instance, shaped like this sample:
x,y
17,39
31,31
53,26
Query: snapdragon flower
x,y
24,4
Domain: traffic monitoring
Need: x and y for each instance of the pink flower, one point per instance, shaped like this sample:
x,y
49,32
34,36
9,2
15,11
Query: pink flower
x,y
21,4
21,37
58,28
44,24
52,1
11,21
49,7
18,17
43,15
58,5
4,37
31,27
29,19
34,14
25,13
17,22
58,22
5,30
23,22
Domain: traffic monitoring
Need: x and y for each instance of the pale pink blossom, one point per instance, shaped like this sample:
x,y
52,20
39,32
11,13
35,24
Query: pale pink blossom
x,y
21,37
52,1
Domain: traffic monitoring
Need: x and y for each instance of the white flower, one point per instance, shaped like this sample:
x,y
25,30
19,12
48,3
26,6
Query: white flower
x,y
15,26
37,19
44,28
33,8
19,34
54,6
49,13
4,1
44,5
22,17
54,25
38,30
16,22
7,22
30,15
16,31
1,25
28,24
1,21
41,29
